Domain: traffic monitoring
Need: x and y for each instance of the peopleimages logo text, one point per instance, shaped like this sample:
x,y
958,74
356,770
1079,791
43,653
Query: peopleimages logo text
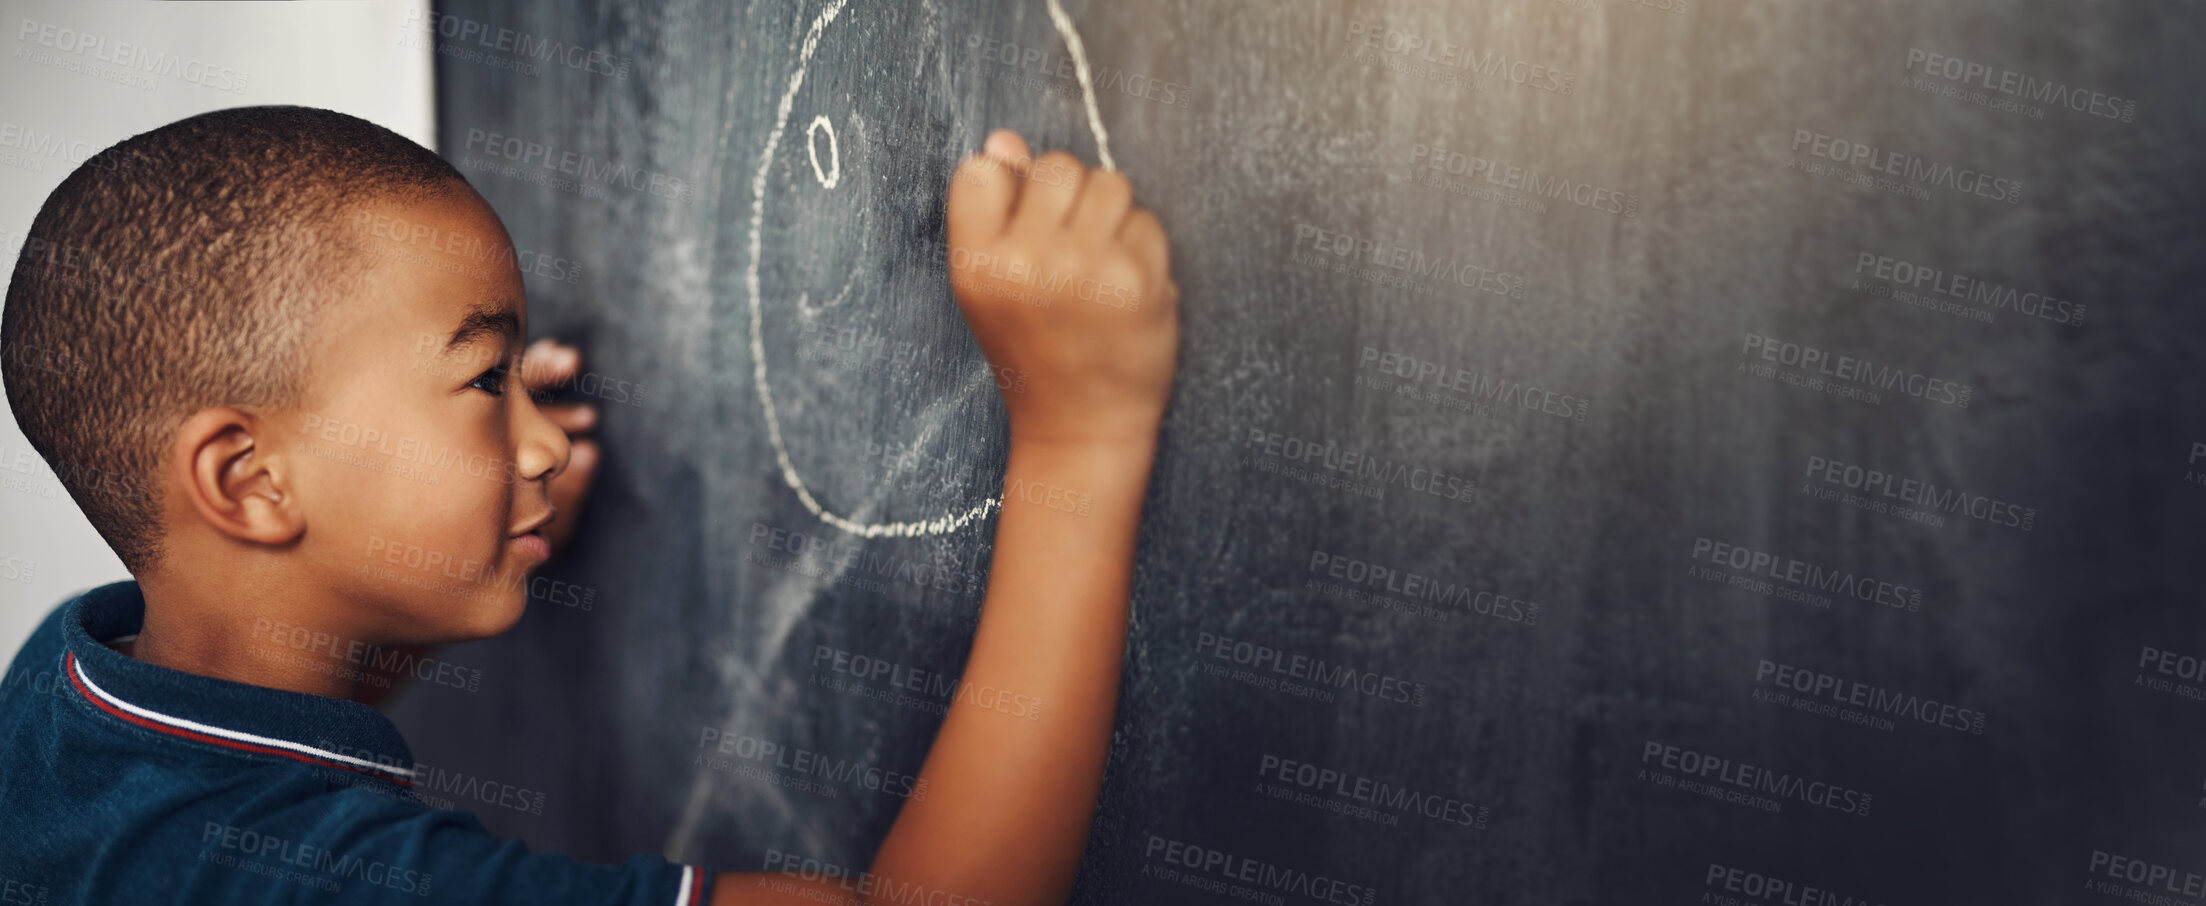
x,y
319,858
1856,153
1921,493
2016,84
525,153
129,56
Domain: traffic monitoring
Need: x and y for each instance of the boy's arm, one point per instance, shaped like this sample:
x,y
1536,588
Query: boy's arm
x,y
1066,286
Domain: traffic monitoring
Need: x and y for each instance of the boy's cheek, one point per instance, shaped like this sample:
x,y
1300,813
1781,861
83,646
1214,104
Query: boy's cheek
x,y
447,492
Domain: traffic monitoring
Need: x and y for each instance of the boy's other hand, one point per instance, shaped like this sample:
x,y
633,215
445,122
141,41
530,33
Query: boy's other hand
x,y
548,363
1067,286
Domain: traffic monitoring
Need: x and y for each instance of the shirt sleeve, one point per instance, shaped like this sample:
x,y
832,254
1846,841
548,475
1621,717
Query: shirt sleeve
x,y
464,863
376,850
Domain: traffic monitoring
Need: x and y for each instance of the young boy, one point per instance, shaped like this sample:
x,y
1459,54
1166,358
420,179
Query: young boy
x,y
269,318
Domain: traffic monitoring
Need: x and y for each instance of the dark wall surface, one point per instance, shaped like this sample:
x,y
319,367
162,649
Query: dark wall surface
x,y
1759,444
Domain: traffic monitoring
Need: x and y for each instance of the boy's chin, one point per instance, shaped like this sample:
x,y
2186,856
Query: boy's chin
x,y
498,613
479,617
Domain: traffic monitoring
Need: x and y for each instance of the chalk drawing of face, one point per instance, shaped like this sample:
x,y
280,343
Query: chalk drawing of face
x,y
873,394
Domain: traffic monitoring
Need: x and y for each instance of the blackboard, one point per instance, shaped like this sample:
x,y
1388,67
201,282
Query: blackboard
x,y
1623,450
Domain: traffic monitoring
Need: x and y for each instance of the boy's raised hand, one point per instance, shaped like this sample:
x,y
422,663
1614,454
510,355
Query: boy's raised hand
x,y
546,364
1067,284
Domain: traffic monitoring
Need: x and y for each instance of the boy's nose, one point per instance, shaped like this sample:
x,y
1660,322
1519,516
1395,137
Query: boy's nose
x,y
544,449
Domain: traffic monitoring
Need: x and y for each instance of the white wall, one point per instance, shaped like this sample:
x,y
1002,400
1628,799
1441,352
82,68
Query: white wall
x,y
63,101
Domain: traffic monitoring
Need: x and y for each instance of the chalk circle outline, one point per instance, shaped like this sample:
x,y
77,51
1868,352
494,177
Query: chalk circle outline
x,y
834,152
938,526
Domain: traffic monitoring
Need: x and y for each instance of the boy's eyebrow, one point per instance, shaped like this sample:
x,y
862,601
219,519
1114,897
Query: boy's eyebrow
x,y
493,318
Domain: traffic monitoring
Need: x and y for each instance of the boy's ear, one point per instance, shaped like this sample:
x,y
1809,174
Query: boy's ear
x,y
232,481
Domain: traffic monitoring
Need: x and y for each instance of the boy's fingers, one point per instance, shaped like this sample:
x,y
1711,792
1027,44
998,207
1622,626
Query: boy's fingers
x,y
1144,236
548,362
569,486
1104,200
568,490
981,195
1006,145
1050,187
573,418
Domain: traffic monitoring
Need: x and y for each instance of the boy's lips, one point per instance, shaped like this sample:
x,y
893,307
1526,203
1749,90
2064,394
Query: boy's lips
x,y
538,522
533,544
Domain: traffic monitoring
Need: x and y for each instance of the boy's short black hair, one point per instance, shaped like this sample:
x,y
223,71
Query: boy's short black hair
x,y
180,269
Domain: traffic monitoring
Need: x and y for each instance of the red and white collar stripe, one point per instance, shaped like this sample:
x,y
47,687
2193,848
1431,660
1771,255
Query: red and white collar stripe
x,y
692,892
232,739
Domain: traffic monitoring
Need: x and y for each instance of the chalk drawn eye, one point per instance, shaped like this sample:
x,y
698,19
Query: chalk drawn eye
x,y
834,172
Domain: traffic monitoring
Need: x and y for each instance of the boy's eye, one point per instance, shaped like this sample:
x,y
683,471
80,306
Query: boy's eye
x,y
492,382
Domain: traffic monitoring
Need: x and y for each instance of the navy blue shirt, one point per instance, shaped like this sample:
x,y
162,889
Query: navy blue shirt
x,y
124,782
